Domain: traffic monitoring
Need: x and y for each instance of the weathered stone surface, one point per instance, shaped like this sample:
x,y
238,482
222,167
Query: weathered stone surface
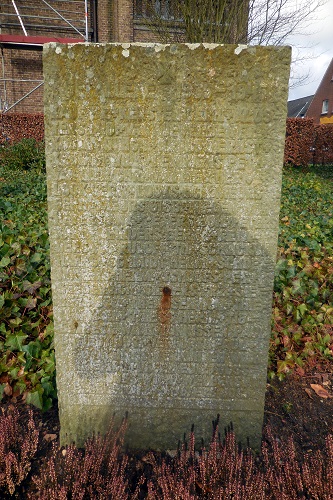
x,y
164,172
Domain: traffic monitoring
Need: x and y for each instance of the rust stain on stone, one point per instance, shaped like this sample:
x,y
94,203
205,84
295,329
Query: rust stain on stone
x,y
164,314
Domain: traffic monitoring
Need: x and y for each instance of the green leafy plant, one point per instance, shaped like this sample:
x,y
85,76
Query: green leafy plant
x,y
23,155
302,332
27,363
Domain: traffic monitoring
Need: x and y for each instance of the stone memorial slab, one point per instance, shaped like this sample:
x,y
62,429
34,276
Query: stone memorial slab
x,y
164,173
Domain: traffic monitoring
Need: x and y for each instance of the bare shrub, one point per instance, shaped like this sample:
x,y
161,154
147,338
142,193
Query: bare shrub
x,y
223,471
318,473
102,471
96,472
18,446
283,475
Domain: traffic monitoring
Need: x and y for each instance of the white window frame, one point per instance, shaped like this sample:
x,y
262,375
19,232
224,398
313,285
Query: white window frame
x,y
324,109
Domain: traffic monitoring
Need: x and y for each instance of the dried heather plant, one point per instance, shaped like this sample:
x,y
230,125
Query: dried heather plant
x,y
18,446
96,472
225,471
221,472
174,478
171,483
317,472
283,475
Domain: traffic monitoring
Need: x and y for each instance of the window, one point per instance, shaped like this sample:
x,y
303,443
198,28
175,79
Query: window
x,y
325,107
164,9
138,8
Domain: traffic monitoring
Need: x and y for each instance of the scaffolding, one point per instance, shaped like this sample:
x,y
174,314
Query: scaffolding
x,y
53,16
28,24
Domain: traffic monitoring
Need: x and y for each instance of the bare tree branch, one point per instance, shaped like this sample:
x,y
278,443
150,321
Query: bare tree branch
x,y
255,22
271,22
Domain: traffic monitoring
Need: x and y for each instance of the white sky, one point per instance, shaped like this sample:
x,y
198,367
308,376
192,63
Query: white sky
x,y
318,46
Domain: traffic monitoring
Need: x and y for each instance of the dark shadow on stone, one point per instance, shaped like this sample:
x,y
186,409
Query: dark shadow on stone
x,y
175,327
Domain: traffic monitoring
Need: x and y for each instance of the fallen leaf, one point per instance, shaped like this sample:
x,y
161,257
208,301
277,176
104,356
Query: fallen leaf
x,y
31,303
204,489
306,339
320,391
50,437
286,341
16,393
8,391
308,393
31,287
300,371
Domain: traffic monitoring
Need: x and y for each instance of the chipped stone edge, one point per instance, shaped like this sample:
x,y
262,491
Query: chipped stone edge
x,y
240,48
158,47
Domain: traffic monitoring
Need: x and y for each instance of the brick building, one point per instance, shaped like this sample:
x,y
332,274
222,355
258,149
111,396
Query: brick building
x,y
318,106
321,107
26,24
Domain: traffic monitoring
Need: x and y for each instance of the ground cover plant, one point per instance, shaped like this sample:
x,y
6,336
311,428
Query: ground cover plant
x,y
27,364
302,318
302,330
301,345
23,155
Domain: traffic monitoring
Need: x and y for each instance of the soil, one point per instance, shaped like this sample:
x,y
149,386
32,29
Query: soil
x,y
300,407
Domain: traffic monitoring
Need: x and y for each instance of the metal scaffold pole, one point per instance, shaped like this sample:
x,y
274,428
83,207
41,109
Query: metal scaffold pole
x,y
63,18
19,18
86,19
41,21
